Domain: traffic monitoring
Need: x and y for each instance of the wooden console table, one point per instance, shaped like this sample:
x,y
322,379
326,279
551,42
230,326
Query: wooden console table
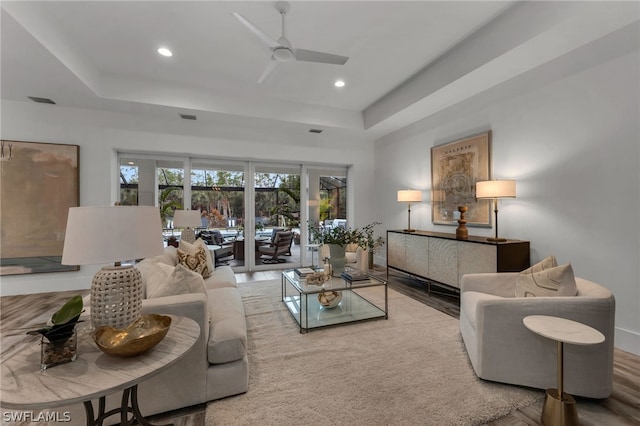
x,y
443,258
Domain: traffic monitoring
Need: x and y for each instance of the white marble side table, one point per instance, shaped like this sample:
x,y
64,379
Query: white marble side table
x,y
24,386
559,407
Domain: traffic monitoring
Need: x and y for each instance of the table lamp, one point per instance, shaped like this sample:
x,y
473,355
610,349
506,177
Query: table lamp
x,y
113,234
496,189
187,219
409,196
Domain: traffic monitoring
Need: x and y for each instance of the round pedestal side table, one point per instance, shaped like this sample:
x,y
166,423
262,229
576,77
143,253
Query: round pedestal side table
x,y
559,407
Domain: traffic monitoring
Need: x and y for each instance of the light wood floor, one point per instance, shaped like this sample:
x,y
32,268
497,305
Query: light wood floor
x,y
621,408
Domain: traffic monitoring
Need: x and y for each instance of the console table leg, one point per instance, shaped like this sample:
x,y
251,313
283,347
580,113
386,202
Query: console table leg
x,y
88,410
128,404
137,415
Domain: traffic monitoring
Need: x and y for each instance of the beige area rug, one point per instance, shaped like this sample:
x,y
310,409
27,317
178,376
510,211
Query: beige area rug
x,y
411,369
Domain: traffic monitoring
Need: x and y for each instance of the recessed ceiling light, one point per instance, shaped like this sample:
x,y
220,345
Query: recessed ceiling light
x,y
131,163
165,52
339,83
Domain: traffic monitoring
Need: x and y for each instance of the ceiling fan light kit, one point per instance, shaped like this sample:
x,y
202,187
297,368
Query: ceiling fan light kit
x,y
282,50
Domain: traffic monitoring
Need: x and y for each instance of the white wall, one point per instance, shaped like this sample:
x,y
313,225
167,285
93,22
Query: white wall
x,y
101,134
569,134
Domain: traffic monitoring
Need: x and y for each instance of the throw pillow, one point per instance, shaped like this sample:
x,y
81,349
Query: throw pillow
x,y
195,260
180,281
193,247
546,263
153,274
555,281
169,256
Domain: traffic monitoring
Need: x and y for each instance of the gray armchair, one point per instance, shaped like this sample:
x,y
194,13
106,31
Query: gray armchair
x,y
502,349
281,245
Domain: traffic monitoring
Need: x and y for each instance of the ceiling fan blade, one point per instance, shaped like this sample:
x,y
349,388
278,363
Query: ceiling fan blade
x,y
313,56
271,66
269,41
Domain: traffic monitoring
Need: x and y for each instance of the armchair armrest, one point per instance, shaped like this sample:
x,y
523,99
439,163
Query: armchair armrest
x,y
501,284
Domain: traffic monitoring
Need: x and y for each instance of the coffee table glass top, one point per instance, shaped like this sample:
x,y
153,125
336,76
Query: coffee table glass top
x,y
359,301
334,283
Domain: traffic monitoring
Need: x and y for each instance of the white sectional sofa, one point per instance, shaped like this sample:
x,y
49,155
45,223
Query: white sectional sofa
x,y
217,366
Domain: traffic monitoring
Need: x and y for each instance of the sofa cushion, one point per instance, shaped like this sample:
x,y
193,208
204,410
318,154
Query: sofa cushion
x,y
554,281
228,328
194,258
222,276
180,281
193,247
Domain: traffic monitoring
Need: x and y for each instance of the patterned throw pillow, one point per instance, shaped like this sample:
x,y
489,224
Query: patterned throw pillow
x,y
546,279
195,260
192,247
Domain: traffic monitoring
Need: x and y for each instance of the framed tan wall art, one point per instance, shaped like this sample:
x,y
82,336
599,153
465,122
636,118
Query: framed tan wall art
x,y
38,184
455,168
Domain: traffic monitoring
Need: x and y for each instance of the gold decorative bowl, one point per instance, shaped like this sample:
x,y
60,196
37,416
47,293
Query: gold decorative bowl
x,y
140,336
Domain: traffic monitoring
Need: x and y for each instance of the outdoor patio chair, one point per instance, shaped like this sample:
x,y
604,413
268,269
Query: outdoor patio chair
x,y
216,238
281,245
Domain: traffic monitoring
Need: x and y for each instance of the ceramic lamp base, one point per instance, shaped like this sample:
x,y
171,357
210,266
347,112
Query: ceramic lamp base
x,y
116,296
188,235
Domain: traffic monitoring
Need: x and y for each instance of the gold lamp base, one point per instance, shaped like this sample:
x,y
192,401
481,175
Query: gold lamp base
x,y
557,411
409,230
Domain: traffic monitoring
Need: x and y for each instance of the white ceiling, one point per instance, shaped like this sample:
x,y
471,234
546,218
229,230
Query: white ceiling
x,y
102,54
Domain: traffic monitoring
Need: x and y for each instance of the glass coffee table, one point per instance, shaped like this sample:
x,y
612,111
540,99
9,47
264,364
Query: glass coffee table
x,y
360,301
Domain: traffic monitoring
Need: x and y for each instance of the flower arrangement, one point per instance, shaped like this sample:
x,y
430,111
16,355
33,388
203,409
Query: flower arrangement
x,y
367,240
338,235
343,236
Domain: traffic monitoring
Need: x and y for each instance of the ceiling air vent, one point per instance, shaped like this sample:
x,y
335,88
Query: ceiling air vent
x,y
188,117
41,100
315,130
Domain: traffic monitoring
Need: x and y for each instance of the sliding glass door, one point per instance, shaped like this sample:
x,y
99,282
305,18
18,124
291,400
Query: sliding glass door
x,y
326,205
218,192
276,197
243,204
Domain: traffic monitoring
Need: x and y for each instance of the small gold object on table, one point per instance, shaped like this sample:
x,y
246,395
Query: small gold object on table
x,y
139,337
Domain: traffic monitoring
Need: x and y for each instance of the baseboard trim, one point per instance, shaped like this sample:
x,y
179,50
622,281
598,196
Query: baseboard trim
x,y
627,340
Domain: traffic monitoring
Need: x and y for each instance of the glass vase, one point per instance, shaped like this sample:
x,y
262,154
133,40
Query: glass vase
x,y
59,351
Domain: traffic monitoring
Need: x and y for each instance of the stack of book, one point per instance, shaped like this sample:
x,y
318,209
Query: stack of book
x,y
302,273
355,276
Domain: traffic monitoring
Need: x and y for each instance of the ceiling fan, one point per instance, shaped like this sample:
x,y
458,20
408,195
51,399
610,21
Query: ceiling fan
x,y
281,49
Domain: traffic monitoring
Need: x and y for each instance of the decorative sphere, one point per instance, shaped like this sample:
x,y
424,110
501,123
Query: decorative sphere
x,y
330,299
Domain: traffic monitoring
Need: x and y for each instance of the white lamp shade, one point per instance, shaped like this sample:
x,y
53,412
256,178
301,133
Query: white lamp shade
x,y
186,218
409,196
109,234
496,189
